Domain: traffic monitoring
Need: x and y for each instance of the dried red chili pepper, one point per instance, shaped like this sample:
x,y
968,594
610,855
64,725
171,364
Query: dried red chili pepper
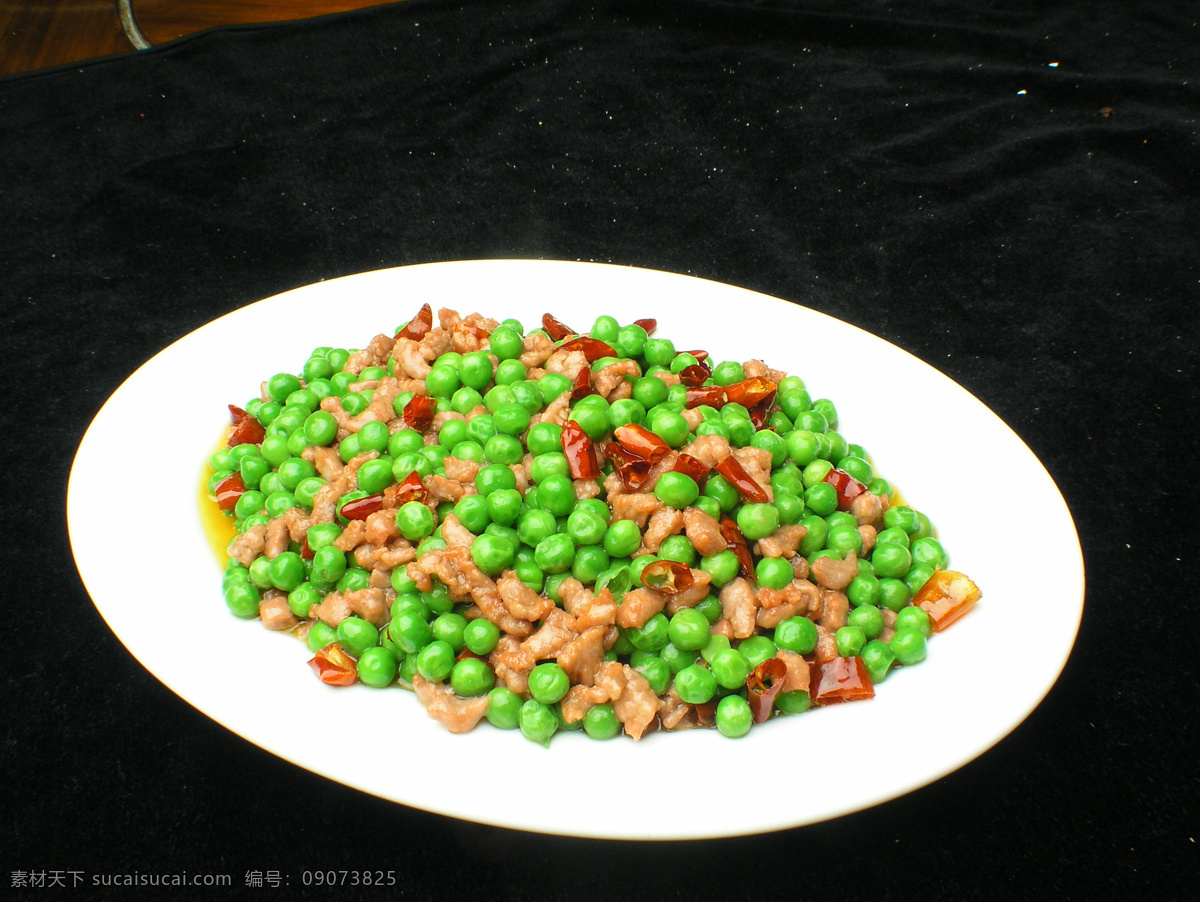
x,y
582,386
418,325
750,490
593,348
418,412
840,680
641,442
693,376
750,392
763,685
705,396
633,470
579,451
246,429
409,489
556,330
648,324
693,467
333,666
668,577
306,551
361,508
761,412
848,488
706,713
229,490
736,542
702,357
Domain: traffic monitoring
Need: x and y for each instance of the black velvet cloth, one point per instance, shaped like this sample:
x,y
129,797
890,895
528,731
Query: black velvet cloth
x,y
1006,189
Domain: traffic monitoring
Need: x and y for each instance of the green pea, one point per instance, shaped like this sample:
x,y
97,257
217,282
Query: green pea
x,y
796,634
585,527
695,684
328,564
649,391
504,707
534,525
538,721
506,343
543,438
722,567
844,540
600,722
281,385
727,372
850,641
357,635
688,630
243,598
321,534
377,666
652,635
551,385
817,530
670,426
878,658
509,372
471,677
677,490
917,576
722,491
914,618
796,701
710,607
757,649
757,521
731,668
908,645
481,635
891,560
774,572
555,554
557,494
319,636
734,717
492,554
677,548
415,521
435,660
286,571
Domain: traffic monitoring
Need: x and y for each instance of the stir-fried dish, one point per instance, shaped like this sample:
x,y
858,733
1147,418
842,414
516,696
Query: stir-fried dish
x,y
552,530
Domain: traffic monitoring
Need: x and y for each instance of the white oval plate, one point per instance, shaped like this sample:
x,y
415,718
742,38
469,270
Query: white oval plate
x,y
936,717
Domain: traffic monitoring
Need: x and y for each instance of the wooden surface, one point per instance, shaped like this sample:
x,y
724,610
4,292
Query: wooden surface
x,y
37,34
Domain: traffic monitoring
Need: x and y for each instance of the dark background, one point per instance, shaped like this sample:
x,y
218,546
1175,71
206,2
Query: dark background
x,y
921,170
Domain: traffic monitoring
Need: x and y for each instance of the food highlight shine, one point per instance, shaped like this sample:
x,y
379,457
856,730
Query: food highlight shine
x,y
552,530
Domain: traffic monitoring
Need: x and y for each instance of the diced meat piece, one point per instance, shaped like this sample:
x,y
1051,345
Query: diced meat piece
x,y
249,545
693,594
830,573
867,509
332,610
458,715
586,608
693,417
710,450
556,411
460,469
739,606
586,488
799,598
663,523
441,488
275,613
826,649
521,601
376,353
867,533
566,363
635,506
579,700
353,535
511,664
667,378
582,656
614,487
326,460
326,498
798,671
381,527
379,410
638,606
703,532
371,604
674,713
612,376
457,535
550,638
783,542
637,706
666,465
538,348
410,361
298,523
756,368
398,552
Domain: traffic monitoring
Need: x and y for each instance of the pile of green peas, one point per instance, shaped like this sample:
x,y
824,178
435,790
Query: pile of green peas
x,y
546,534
